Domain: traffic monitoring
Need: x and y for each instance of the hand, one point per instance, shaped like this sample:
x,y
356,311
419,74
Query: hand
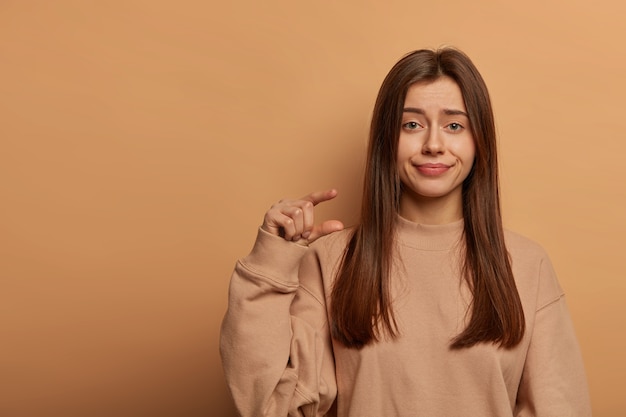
x,y
293,219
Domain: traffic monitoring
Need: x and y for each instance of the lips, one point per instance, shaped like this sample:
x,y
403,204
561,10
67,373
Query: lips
x,y
432,170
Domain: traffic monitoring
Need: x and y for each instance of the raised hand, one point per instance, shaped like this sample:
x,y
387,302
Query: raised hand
x,y
294,219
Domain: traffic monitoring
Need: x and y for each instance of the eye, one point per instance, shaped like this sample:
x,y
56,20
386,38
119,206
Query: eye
x,y
411,125
455,127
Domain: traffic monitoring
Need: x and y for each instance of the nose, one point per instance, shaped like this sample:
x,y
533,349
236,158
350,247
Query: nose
x,y
434,144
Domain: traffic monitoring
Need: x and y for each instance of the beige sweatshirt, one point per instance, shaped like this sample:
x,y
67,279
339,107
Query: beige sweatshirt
x,y
280,360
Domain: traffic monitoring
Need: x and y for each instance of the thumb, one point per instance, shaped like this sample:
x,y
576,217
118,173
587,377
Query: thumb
x,y
326,228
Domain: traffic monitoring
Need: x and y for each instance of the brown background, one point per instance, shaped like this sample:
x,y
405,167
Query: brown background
x,y
142,141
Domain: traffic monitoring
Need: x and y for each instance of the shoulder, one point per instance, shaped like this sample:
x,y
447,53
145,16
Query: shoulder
x,y
520,246
329,250
532,268
334,243
321,261
526,254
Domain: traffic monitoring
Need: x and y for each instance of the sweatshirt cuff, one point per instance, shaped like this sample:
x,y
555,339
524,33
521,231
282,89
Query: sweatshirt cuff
x,y
275,257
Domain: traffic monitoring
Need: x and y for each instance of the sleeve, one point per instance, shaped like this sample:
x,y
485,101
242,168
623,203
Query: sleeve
x,y
553,380
275,343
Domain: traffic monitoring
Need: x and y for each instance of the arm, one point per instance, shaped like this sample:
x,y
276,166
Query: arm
x,y
275,343
553,381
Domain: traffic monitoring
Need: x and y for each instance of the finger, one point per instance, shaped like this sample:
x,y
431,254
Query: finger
x,y
286,226
278,224
328,227
308,217
320,196
273,219
295,213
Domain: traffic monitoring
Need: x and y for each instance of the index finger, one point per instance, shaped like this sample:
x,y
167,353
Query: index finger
x,y
320,196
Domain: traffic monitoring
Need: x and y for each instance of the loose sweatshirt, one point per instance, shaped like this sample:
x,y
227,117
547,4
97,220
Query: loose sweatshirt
x,y
280,360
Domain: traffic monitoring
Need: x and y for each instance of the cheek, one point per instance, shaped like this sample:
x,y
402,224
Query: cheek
x,y
465,150
469,157
406,149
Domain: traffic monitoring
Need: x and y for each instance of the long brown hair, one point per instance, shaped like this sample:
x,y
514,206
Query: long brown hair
x,y
361,305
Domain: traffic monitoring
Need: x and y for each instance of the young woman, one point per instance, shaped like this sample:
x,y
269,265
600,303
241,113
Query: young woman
x,y
426,307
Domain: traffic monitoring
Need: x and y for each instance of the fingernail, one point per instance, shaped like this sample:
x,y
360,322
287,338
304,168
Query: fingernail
x,y
306,235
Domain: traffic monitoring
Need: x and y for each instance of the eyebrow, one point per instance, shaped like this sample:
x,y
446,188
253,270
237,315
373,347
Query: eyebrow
x,y
449,112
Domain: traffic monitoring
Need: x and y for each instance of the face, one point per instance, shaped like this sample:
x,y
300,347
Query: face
x,y
436,149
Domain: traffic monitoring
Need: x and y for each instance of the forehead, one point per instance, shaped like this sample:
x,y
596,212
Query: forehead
x,y
442,93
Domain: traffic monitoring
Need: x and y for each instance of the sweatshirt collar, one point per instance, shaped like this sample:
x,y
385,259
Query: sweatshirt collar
x,y
429,236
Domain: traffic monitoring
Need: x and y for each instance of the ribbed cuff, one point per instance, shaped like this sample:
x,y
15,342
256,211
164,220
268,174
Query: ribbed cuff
x,y
275,257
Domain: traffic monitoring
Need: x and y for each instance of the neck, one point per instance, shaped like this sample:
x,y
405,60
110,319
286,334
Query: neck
x,y
427,210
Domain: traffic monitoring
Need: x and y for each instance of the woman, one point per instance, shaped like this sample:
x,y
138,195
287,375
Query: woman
x,y
426,307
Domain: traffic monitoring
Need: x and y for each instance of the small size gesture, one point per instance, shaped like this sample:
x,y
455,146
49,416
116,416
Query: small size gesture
x,y
293,220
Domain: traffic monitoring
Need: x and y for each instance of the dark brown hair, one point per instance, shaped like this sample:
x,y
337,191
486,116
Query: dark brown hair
x,y
361,305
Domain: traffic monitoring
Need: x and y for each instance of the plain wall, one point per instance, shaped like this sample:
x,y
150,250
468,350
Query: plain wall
x,y
142,141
